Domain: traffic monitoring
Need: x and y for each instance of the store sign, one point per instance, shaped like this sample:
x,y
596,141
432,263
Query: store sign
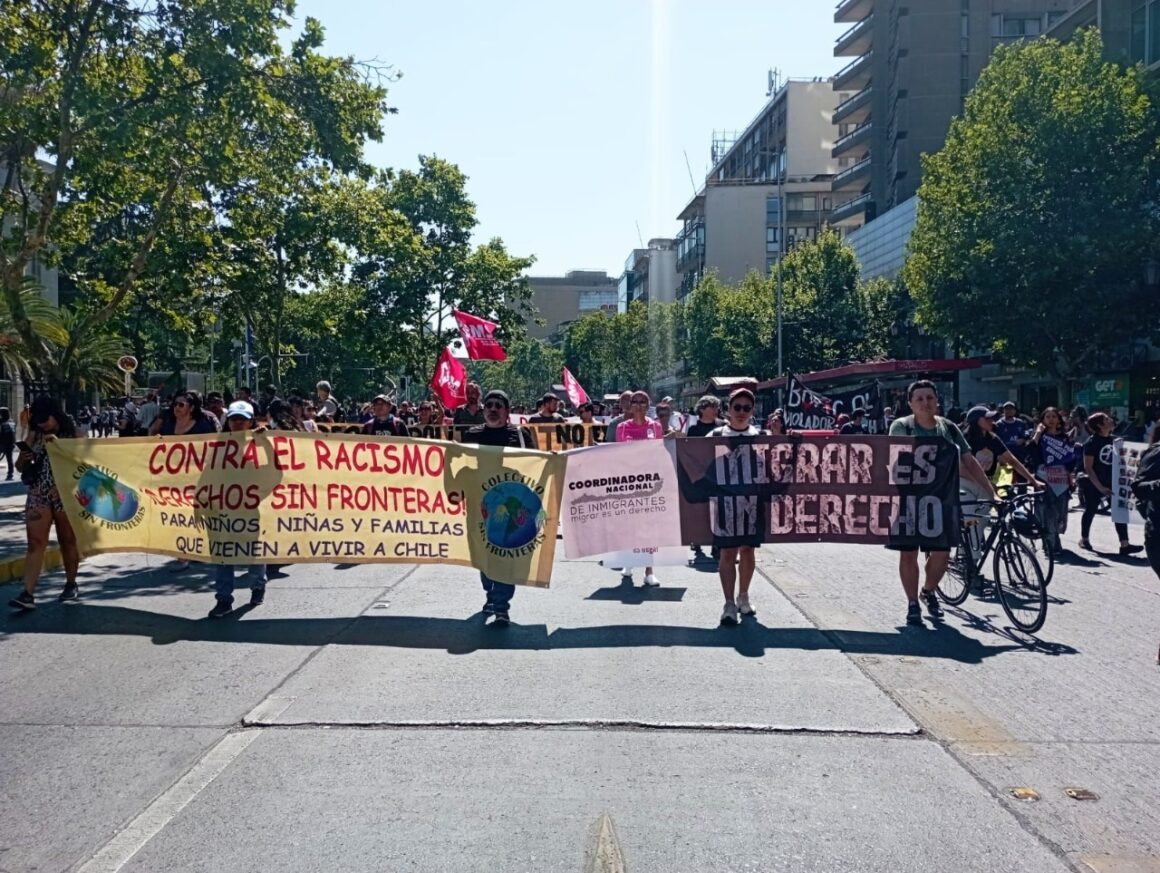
x,y
1107,392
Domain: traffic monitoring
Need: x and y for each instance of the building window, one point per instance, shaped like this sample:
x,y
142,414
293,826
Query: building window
x,y
772,210
1139,33
1153,32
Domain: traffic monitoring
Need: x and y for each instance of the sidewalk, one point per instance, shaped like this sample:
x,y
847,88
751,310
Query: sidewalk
x,y
12,537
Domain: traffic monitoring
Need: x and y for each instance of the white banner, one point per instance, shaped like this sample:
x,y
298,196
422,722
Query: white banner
x,y
620,497
1125,461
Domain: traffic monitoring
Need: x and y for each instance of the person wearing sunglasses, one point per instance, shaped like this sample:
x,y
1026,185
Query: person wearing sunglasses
x,y
497,430
186,417
638,426
738,549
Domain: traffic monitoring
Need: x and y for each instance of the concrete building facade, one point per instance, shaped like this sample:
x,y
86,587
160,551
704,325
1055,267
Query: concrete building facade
x,y
561,300
650,274
734,224
912,66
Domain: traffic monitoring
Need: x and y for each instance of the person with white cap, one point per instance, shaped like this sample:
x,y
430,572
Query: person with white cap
x,y
239,418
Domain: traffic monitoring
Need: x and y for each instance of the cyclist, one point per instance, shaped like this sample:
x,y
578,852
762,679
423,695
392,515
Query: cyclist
x,y
925,422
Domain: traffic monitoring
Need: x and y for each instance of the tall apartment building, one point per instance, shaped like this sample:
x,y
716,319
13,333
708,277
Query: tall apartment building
x,y
650,274
734,224
560,300
912,65
1130,28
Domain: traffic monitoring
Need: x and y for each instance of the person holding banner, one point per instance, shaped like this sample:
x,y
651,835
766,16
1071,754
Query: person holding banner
x,y
497,430
43,507
1146,490
737,549
923,422
1097,481
639,427
239,418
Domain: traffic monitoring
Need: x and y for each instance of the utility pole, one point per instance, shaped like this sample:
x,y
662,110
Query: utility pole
x,y
780,257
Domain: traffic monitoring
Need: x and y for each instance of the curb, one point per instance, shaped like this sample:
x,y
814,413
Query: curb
x,y
12,569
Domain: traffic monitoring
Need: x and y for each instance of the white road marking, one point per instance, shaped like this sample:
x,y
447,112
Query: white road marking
x,y
116,853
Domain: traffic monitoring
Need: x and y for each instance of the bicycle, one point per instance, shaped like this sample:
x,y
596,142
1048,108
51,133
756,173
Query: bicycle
x,y
1033,535
1018,576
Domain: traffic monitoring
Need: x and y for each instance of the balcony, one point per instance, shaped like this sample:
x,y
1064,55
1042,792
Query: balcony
x,y
855,110
852,140
856,40
853,213
852,177
852,10
855,75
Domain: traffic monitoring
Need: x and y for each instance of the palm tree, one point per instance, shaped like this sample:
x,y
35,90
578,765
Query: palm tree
x,y
86,359
17,358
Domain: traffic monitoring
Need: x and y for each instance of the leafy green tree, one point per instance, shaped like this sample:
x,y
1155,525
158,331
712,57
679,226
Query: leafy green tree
x,y
609,353
823,312
531,368
152,116
731,330
888,311
1037,217
420,264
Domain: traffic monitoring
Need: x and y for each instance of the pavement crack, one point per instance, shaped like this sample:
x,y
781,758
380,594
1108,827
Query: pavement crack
x,y
621,725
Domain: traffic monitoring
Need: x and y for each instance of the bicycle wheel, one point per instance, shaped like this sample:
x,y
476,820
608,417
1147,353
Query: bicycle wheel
x,y
1019,581
1040,547
960,576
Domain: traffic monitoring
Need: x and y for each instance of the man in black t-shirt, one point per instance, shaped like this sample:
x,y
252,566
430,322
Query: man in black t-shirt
x,y
384,422
497,430
546,413
854,425
472,411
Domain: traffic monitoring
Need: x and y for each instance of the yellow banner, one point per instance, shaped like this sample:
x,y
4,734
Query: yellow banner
x,y
284,497
548,437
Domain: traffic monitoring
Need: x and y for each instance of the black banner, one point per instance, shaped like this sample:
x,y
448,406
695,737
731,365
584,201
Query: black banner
x,y
806,409
897,491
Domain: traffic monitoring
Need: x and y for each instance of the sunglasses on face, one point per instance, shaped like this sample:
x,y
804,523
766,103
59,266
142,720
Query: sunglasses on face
x,y
664,412
181,403
639,402
495,404
742,408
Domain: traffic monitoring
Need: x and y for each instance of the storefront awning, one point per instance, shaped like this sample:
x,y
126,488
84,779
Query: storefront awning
x,y
932,367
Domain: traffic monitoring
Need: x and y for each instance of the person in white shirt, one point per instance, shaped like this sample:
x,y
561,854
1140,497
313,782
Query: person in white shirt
x,y
326,405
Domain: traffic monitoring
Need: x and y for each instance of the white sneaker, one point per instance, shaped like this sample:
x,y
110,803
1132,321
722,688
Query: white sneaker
x,y
729,614
744,606
651,581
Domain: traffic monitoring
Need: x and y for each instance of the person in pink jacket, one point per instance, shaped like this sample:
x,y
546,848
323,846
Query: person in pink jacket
x,y
638,426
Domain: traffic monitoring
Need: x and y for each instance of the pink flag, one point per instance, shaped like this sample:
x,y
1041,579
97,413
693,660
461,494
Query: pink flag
x,y
479,337
575,391
449,381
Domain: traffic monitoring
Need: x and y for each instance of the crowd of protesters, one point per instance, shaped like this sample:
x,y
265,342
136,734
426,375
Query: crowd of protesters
x,y
1061,453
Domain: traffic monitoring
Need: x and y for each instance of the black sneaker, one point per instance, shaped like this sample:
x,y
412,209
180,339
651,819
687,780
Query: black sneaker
x,y
23,600
221,608
914,613
1130,550
488,609
502,619
257,595
933,607
69,592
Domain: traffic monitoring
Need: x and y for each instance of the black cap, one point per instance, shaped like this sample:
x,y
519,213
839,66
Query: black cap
x,y
498,395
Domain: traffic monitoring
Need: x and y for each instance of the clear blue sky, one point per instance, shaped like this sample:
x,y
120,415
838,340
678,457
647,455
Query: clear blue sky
x,y
571,119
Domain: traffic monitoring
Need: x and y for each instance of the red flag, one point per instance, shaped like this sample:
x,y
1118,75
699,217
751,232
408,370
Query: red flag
x,y
449,381
574,390
479,337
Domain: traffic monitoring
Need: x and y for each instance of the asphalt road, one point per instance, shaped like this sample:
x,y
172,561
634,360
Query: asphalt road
x,y
364,719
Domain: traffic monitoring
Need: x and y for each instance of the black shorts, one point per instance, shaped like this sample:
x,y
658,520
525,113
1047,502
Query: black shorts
x,y
926,550
735,542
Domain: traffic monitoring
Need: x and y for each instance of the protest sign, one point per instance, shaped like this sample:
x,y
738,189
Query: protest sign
x,y
898,491
292,497
1125,462
620,497
806,409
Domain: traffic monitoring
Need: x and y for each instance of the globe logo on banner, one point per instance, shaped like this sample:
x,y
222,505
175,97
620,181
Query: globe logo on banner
x,y
513,515
103,497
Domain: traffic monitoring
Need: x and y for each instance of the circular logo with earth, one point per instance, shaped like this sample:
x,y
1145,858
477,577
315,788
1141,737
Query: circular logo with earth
x,y
102,496
513,515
